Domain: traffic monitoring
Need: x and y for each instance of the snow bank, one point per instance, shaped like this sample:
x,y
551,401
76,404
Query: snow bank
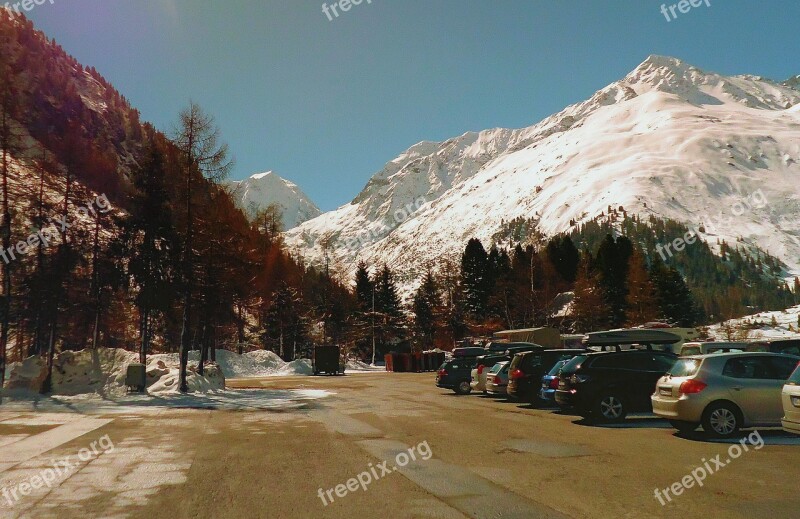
x,y
297,367
103,372
259,363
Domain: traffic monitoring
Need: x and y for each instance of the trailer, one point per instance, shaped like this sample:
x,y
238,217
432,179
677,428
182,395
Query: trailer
x,y
326,359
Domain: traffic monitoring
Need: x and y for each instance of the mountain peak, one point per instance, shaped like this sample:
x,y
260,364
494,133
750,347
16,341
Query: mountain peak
x,y
261,190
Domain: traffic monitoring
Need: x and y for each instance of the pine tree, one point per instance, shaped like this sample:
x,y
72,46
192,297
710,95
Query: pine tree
x,y
364,288
475,279
427,308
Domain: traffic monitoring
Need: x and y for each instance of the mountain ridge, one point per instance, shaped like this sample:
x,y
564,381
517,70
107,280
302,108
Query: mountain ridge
x,y
654,118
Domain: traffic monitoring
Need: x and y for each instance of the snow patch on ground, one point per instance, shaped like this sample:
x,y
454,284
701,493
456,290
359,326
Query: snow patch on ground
x,y
787,324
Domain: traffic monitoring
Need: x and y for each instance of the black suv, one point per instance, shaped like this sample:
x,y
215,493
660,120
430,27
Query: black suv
x,y
456,375
527,369
606,386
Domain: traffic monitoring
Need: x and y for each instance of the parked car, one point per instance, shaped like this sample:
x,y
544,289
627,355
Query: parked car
x,y
527,369
497,379
497,346
547,393
724,392
455,374
703,348
469,351
521,347
481,369
791,403
606,386
788,346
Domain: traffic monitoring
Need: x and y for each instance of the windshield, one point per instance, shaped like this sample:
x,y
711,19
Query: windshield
x,y
685,367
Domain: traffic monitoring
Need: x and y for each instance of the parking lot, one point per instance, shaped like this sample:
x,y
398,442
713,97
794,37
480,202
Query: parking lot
x,y
488,458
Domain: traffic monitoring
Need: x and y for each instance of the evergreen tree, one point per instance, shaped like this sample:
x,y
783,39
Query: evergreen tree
x,y
564,257
612,263
364,288
675,301
427,307
475,279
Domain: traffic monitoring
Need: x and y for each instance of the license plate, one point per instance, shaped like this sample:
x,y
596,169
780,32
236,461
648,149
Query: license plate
x,y
665,391
796,401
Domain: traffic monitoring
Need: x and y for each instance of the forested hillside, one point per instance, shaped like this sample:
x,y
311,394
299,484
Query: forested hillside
x,y
117,235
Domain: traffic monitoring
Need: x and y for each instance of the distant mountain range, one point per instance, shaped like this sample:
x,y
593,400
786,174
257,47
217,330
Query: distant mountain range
x,y
668,140
264,189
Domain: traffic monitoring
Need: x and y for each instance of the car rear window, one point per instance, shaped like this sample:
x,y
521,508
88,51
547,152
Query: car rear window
x,y
796,375
573,364
685,367
497,367
558,367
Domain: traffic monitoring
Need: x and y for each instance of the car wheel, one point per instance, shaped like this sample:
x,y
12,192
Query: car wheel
x,y
683,427
721,420
609,408
463,388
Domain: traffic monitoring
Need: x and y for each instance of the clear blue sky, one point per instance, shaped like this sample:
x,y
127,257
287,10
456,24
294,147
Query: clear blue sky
x,y
328,103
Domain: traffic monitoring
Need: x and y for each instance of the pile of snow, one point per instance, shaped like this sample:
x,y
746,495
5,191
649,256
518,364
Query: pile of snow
x,y
103,371
359,366
297,367
787,324
259,363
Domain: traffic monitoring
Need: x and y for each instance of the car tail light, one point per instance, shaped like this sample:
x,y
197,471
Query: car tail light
x,y
517,373
442,373
692,386
554,383
480,369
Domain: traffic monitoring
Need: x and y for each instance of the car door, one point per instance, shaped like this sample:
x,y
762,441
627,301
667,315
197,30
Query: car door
x,y
631,378
753,388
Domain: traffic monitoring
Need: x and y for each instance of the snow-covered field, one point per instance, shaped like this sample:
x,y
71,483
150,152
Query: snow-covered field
x,y
762,327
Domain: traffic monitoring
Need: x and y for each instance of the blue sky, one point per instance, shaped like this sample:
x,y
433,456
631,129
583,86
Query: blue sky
x,y
328,103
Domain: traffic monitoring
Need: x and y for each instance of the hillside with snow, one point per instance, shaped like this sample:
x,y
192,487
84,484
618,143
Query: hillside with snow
x,y
668,140
264,189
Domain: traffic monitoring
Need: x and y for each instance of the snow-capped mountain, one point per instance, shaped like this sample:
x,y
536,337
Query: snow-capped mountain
x,y
668,140
264,189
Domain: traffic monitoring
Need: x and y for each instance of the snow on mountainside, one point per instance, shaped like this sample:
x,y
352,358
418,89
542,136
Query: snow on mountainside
x,y
668,139
263,189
